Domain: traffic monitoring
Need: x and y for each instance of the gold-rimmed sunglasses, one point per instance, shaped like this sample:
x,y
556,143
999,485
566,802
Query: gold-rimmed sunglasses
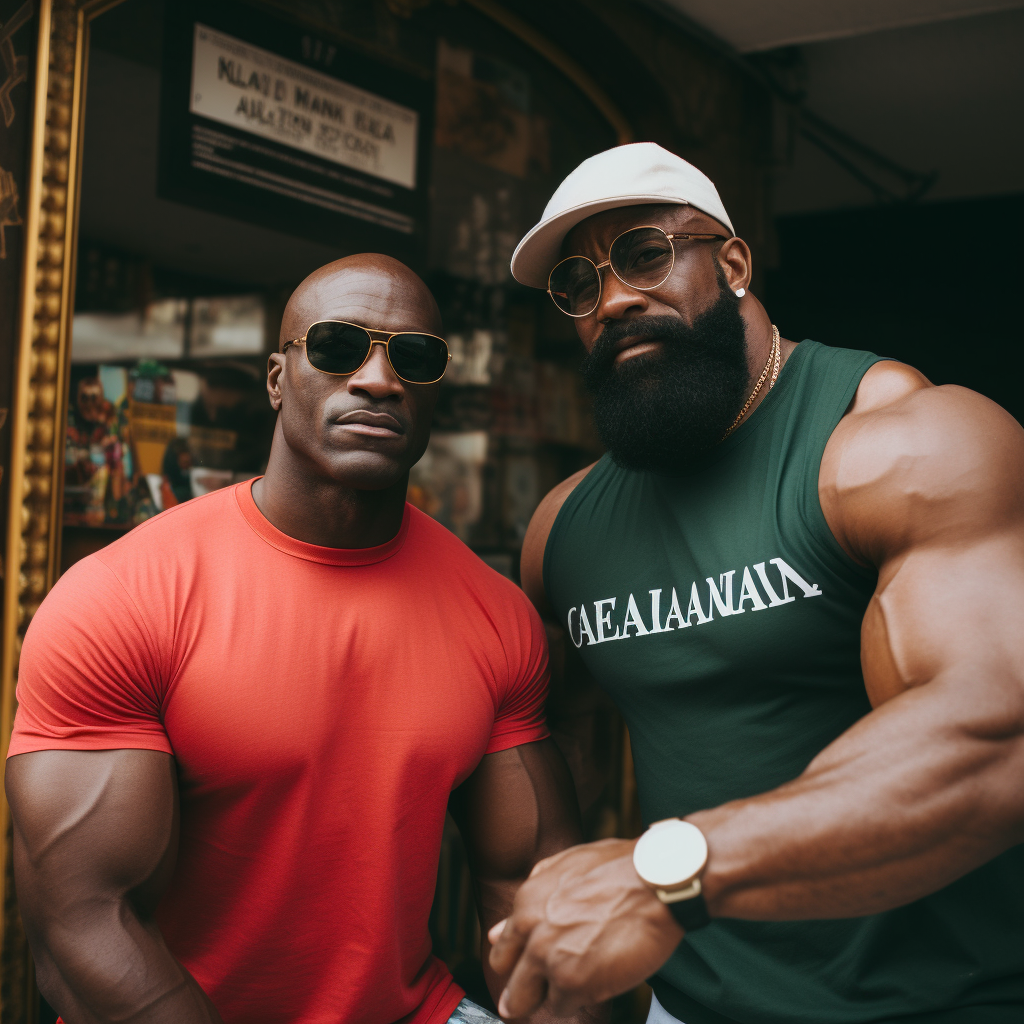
x,y
340,348
640,258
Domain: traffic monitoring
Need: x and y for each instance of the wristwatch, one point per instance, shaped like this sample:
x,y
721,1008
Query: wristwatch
x,y
670,857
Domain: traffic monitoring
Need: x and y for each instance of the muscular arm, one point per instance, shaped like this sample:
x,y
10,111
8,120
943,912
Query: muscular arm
x,y
95,839
930,489
517,808
926,484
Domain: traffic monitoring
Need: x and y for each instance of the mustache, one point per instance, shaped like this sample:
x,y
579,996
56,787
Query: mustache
x,y
647,327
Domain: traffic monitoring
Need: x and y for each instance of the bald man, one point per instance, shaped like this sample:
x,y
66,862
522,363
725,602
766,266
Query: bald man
x,y
241,725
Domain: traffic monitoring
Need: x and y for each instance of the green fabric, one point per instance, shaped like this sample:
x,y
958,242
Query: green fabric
x,y
755,669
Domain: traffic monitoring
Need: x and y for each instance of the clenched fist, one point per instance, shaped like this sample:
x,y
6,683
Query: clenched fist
x,y
583,928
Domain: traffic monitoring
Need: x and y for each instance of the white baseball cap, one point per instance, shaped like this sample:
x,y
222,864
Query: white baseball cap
x,y
641,172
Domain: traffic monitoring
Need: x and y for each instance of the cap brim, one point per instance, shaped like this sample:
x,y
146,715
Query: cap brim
x,y
541,248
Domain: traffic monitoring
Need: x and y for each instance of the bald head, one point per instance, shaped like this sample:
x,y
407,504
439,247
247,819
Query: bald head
x,y
368,289
366,427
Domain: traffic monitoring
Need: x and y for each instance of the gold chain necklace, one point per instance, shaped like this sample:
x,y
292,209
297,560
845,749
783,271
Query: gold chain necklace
x,y
774,358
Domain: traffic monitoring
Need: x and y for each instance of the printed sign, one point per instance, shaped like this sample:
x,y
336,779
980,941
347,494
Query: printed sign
x,y
246,87
265,118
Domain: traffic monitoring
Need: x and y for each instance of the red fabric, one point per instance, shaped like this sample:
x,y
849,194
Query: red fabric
x,y
320,704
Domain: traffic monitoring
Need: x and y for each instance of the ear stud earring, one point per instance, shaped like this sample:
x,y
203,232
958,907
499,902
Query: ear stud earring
x,y
740,292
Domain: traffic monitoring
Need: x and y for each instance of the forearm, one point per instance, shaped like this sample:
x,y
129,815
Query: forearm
x,y
101,964
494,900
517,809
495,904
911,798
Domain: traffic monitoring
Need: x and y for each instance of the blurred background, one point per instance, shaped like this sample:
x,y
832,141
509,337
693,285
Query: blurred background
x,y
871,153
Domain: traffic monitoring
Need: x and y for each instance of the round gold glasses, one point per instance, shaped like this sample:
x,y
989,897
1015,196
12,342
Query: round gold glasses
x,y
641,258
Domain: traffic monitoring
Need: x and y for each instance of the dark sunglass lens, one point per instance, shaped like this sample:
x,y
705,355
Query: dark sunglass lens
x,y
336,347
575,285
642,258
418,358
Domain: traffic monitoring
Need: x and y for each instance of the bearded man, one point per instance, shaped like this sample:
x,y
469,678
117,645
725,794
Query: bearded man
x,y
799,571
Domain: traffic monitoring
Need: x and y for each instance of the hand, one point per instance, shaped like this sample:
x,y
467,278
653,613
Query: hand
x,y
583,928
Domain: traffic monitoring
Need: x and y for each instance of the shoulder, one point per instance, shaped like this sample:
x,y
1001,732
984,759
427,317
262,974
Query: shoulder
x,y
89,624
435,544
490,608
137,571
142,570
886,383
911,460
451,562
168,535
531,566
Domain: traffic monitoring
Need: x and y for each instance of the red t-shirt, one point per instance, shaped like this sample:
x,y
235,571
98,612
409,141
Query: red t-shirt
x,y
321,704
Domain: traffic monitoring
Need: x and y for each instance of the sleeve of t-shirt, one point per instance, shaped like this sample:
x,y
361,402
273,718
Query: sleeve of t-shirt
x,y
89,676
520,717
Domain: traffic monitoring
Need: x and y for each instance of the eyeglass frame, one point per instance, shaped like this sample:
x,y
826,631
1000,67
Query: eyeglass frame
x,y
608,263
386,342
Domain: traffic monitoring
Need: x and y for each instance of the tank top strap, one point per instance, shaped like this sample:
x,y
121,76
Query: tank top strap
x,y
598,478
820,392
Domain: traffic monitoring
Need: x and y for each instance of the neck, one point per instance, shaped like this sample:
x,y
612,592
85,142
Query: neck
x,y
318,510
759,346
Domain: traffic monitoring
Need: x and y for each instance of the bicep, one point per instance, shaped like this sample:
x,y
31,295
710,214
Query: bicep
x,y
934,495
949,608
91,827
517,807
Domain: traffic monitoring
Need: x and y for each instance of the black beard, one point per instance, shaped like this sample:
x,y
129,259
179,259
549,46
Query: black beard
x,y
663,410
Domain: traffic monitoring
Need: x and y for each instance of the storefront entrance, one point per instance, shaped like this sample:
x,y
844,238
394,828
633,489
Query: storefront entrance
x,y
192,163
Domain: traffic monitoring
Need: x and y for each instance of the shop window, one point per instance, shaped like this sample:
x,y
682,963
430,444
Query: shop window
x,y
156,331
166,399
230,326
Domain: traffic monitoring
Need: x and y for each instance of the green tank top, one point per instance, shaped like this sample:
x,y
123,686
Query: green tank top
x,y
723,618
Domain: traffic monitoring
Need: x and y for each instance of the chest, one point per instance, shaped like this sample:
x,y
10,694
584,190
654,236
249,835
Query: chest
x,y
347,679
669,586
723,626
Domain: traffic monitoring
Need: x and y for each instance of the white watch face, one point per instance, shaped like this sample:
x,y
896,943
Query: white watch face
x,y
670,853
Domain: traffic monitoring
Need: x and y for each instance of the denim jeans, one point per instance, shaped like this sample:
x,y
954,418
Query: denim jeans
x,y
467,1012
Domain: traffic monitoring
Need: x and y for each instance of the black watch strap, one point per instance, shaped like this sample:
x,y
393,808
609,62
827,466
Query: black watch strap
x,y
692,913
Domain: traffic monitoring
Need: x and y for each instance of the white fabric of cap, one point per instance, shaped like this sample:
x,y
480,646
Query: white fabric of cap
x,y
631,175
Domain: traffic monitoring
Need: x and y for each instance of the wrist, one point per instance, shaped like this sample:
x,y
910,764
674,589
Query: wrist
x,y
670,859
716,880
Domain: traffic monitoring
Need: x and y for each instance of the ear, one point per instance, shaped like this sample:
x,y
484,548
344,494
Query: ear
x,y
736,262
275,368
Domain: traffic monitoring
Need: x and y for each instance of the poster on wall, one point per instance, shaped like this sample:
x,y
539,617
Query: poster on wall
x,y
264,120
